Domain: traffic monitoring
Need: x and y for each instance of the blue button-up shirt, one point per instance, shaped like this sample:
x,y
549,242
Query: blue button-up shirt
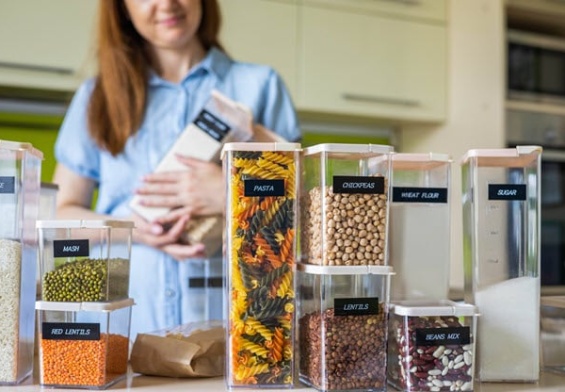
x,y
158,283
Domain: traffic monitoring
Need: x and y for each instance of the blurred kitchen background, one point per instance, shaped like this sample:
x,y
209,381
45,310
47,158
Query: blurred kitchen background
x,y
423,75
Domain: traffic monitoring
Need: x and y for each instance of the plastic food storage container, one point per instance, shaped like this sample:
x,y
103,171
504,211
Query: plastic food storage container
x,y
260,251
20,171
420,230
501,221
344,204
431,346
83,345
343,326
48,200
553,333
84,260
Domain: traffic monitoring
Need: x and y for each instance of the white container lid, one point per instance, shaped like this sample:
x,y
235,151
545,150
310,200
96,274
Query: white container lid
x,y
18,146
557,301
422,308
260,147
349,148
83,224
345,269
84,306
504,157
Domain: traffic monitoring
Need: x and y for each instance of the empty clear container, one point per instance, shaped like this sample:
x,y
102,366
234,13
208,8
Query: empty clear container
x,y
553,333
501,221
344,204
83,345
431,346
342,326
20,172
420,229
260,252
84,260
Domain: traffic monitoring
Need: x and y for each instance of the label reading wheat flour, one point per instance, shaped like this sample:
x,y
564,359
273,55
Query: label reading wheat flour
x,y
419,195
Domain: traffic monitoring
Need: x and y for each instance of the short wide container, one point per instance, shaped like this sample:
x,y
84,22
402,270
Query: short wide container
x,y
431,346
20,172
83,345
84,260
343,326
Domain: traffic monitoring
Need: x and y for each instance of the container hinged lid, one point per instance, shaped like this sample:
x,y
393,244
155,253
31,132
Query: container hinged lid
x,y
84,224
349,148
422,308
84,306
345,269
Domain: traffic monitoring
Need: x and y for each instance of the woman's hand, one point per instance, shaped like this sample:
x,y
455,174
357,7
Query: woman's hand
x,y
198,190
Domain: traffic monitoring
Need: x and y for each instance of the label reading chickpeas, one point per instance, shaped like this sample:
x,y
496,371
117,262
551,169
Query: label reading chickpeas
x,y
7,184
70,331
356,306
443,336
363,185
71,248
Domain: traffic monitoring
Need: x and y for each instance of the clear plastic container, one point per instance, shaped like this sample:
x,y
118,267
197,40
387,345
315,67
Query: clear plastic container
x,y
84,260
501,222
344,204
431,346
83,345
48,200
420,229
343,326
20,171
260,252
553,333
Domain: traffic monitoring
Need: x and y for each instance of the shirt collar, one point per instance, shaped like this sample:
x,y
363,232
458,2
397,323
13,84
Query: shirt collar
x,y
215,62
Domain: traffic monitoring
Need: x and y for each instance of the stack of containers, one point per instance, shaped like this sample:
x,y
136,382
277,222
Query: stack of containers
x,y
343,277
20,171
84,312
431,342
501,225
261,251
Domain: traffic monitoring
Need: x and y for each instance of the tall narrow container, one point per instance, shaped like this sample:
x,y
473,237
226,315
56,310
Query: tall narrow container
x,y
501,225
260,252
420,229
20,172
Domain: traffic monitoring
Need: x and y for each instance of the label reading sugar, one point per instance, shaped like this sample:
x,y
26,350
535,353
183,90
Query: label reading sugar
x,y
507,192
71,248
443,336
7,184
70,331
353,184
419,195
263,188
212,125
356,306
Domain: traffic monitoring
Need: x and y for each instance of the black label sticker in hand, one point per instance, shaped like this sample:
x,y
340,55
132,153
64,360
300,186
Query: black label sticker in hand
x,y
7,184
212,125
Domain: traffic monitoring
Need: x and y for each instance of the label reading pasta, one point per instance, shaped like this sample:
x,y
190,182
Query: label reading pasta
x,y
7,184
355,184
263,188
70,331
71,248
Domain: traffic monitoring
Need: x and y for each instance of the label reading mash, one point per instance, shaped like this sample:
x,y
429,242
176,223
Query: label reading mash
x,y
356,306
70,331
353,184
71,248
212,125
7,184
419,195
443,336
506,192
263,188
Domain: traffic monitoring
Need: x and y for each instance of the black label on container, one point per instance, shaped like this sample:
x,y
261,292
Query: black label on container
x,y
356,306
419,195
263,188
506,192
7,184
209,282
70,331
212,125
443,336
354,184
71,248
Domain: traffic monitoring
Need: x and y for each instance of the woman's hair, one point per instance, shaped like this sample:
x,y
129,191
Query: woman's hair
x,y
117,104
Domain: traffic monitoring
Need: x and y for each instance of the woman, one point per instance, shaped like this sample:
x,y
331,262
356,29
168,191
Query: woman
x,y
158,61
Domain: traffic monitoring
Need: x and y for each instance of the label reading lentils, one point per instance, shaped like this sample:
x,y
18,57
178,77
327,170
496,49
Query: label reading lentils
x,y
506,192
443,336
263,188
419,195
70,331
7,184
212,125
354,184
71,248
356,306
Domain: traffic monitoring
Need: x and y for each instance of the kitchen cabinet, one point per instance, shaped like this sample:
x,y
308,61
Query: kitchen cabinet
x,y
264,32
369,64
46,44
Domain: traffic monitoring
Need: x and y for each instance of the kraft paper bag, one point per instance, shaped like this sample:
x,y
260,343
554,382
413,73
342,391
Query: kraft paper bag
x,y
190,350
